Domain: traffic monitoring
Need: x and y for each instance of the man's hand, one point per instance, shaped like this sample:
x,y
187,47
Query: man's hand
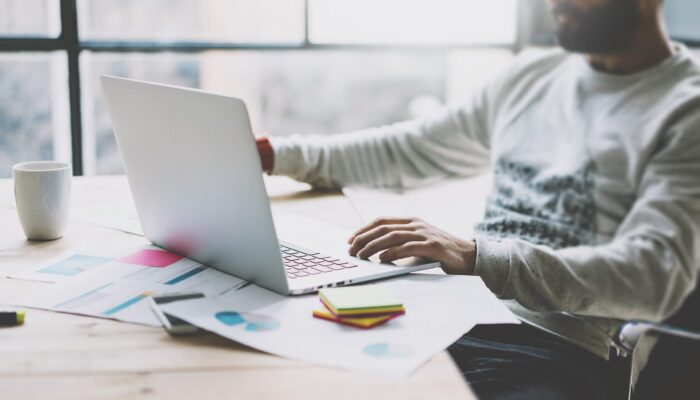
x,y
267,155
410,237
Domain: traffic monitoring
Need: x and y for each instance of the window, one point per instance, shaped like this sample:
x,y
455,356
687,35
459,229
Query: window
x,y
29,18
231,21
34,111
310,66
417,22
681,16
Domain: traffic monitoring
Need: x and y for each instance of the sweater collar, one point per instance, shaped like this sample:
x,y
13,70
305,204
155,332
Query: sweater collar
x,y
596,77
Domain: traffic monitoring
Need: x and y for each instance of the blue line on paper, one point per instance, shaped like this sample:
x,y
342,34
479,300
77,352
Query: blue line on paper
x,y
186,275
125,304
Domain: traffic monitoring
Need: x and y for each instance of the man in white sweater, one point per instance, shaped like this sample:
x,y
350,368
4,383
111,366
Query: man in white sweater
x,y
595,213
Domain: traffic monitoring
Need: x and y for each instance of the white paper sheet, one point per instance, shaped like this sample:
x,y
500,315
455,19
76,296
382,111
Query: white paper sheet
x,y
439,309
73,263
454,206
117,289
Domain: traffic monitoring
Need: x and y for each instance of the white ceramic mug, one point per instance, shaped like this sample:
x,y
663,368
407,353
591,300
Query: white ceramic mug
x,y
42,195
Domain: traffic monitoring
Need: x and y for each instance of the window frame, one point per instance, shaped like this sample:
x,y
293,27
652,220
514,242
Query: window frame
x,y
69,42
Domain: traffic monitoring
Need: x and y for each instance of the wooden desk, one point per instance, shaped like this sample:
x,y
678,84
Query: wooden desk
x,y
57,356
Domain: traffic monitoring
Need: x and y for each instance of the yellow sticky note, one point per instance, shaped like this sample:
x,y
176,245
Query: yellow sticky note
x,y
361,300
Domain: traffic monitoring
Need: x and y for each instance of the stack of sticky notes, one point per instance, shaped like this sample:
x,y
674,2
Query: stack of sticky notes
x,y
360,306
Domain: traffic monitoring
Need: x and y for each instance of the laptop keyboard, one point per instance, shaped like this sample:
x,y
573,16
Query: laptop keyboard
x,y
298,264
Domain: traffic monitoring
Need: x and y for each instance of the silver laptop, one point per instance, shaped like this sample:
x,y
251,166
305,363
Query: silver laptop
x,y
195,174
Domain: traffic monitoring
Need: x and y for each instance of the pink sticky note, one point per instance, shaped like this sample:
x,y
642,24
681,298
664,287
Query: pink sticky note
x,y
151,258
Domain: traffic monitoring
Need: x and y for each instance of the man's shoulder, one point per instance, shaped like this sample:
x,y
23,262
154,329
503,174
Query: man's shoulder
x,y
691,66
681,83
691,58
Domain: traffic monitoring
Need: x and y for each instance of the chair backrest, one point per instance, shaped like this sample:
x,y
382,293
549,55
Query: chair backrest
x,y
688,316
667,374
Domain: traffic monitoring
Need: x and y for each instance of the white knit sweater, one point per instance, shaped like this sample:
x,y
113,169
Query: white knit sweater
x,y
595,213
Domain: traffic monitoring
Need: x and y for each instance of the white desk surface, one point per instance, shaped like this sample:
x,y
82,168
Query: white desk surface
x,y
61,356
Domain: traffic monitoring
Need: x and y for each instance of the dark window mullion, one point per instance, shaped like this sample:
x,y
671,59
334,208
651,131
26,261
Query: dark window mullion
x,y
30,44
69,36
196,47
306,23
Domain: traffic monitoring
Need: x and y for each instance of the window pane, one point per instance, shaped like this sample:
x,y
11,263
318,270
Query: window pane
x,y
34,122
412,21
286,92
682,19
100,153
30,18
242,21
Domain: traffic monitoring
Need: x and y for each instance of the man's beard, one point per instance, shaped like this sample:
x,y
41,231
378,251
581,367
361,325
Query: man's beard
x,y
608,28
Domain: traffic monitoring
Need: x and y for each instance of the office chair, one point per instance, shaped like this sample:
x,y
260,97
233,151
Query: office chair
x,y
666,375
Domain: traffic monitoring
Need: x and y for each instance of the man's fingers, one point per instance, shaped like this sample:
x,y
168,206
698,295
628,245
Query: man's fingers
x,y
409,249
391,239
379,222
361,240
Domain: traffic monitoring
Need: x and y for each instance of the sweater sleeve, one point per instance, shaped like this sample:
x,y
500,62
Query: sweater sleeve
x,y
645,272
453,143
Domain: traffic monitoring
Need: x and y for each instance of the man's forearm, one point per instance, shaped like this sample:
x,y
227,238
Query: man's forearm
x,y
405,154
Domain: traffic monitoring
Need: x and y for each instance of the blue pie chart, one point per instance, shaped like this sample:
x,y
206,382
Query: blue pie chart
x,y
249,322
387,350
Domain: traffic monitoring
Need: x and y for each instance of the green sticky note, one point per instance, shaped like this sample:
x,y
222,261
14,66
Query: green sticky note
x,y
360,297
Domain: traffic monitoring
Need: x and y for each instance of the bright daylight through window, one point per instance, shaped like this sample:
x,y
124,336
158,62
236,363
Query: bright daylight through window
x,y
316,66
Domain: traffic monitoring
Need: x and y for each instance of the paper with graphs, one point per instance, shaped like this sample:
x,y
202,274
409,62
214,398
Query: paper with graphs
x,y
113,281
73,263
439,310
